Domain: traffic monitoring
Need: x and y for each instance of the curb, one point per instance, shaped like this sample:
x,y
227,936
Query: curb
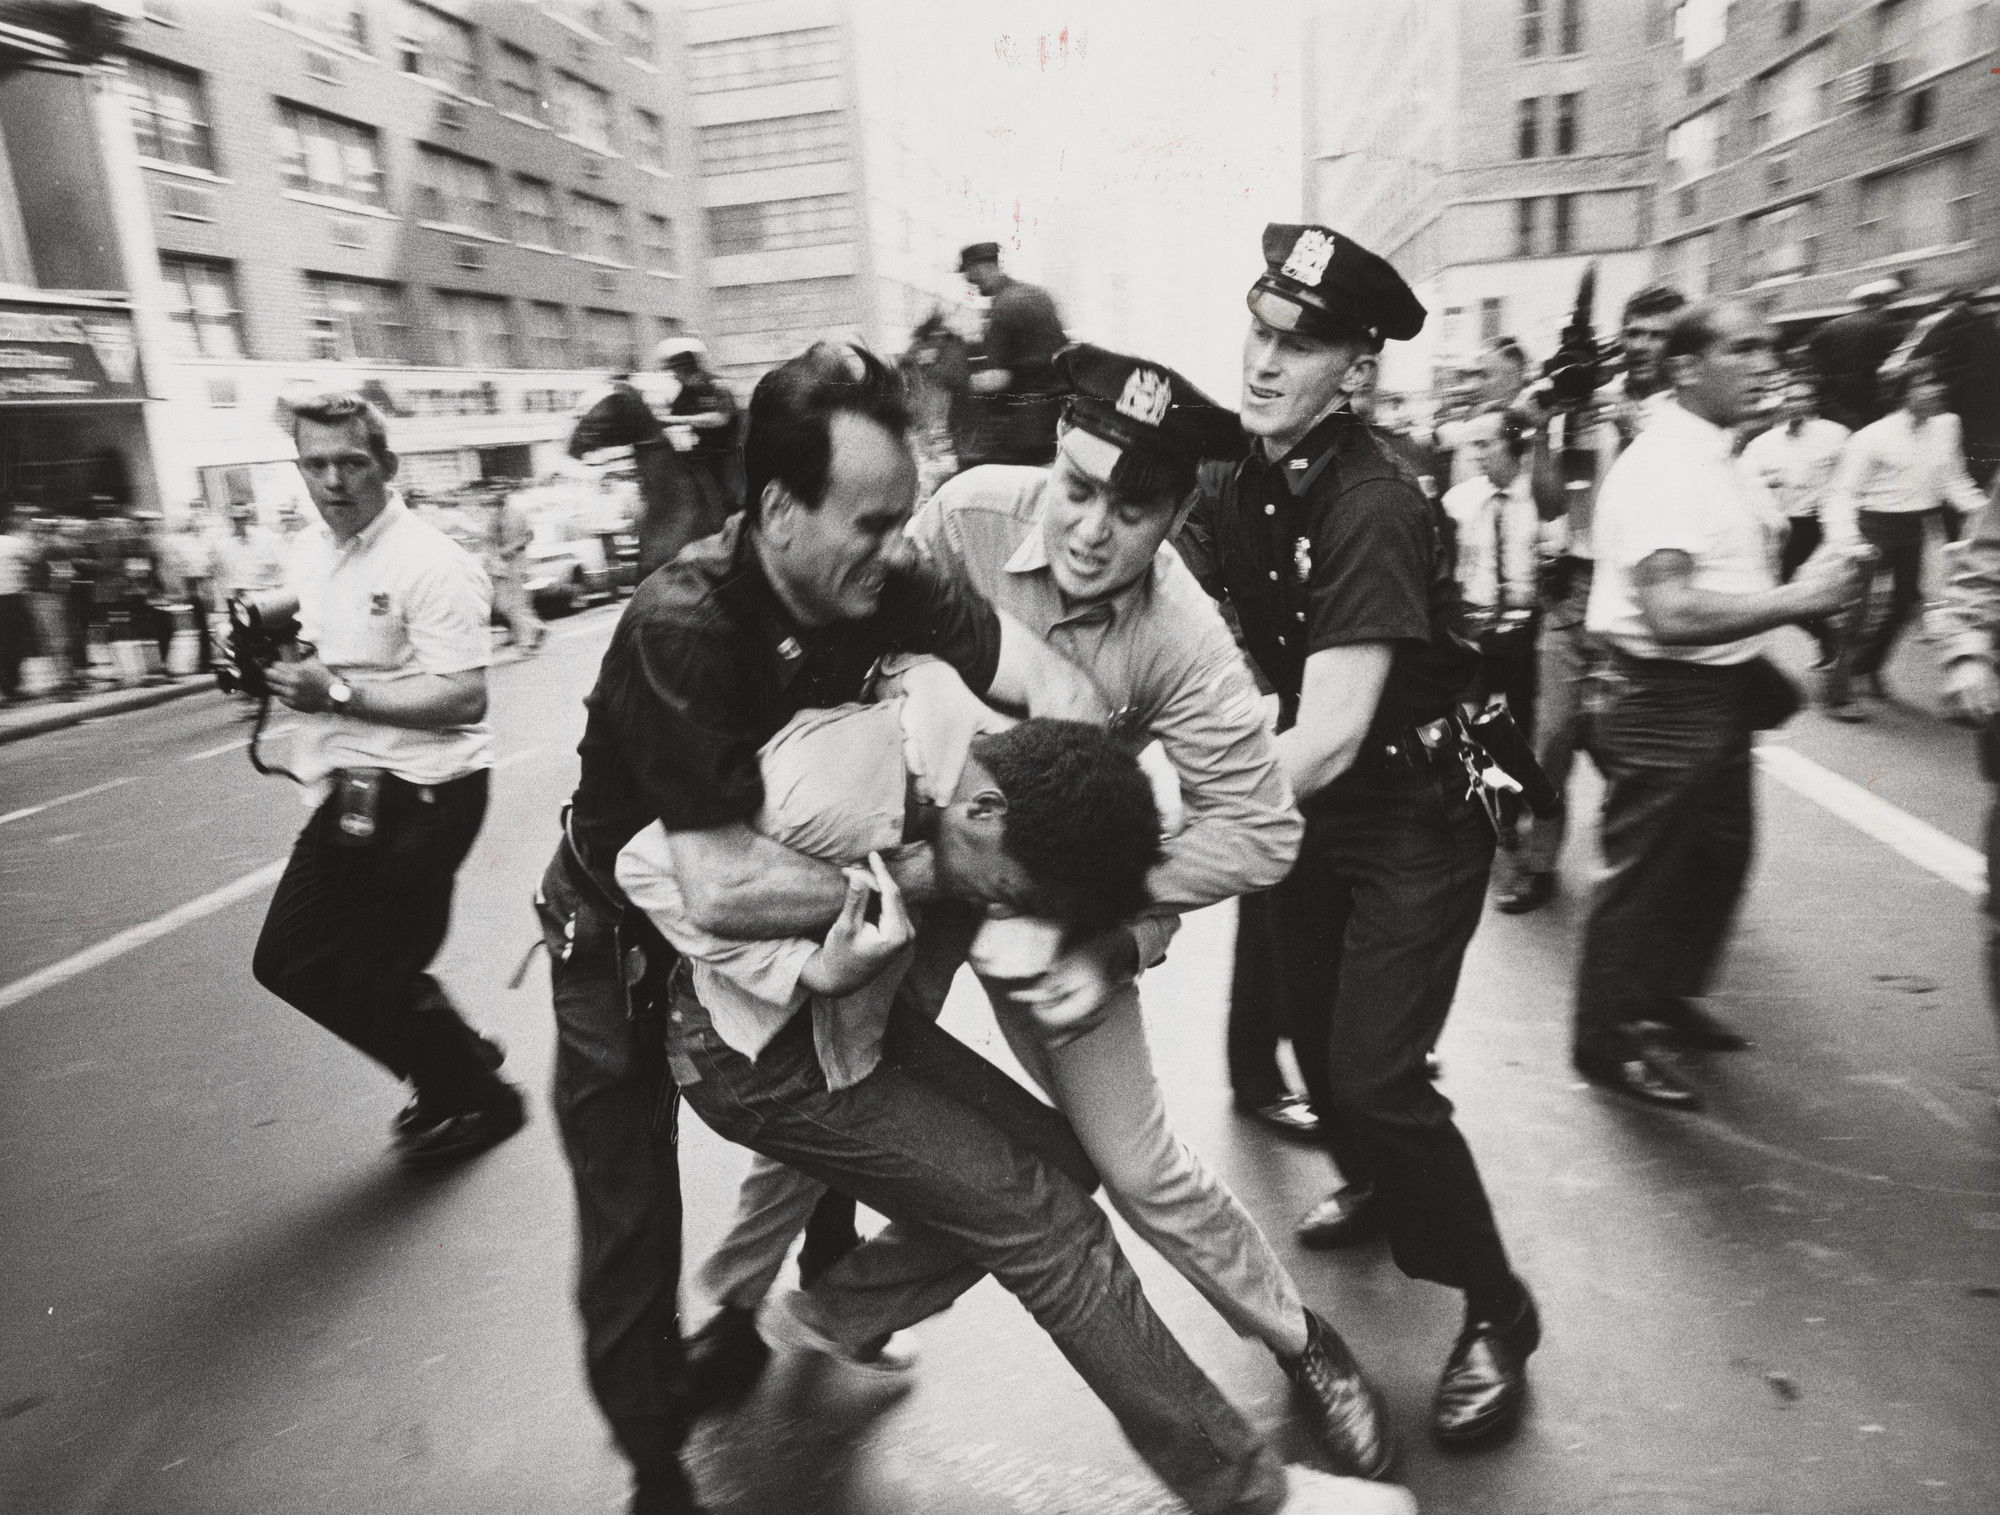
x,y
76,713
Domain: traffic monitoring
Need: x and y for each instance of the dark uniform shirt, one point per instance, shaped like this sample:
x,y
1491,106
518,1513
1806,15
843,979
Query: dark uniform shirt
x,y
1334,545
706,666
1023,334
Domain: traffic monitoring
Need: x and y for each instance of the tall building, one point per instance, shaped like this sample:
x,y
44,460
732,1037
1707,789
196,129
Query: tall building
x,y
471,209
1491,150
1813,145
822,213
73,427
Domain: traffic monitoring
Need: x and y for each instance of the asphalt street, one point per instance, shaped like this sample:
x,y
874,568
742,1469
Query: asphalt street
x,y
218,1294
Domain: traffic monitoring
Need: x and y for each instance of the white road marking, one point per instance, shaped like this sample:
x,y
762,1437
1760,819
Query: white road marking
x,y
1867,812
81,794
241,742
1936,1108
517,757
137,936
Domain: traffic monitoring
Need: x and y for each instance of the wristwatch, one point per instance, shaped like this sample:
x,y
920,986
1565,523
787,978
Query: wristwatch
x,y
338,694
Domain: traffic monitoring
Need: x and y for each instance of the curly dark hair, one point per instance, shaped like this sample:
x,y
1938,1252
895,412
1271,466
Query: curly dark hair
x,y
1080,819
788,434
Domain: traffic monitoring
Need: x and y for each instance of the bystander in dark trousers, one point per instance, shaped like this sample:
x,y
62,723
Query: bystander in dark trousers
x,y
1676,830
966,1199
16,639
617,1107
1509,665
1567,658
353,928
1256,1008
1898,540
1373,923
1802,540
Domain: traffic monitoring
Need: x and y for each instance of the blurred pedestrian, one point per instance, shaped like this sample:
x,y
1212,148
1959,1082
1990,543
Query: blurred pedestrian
x,y
1497,561
1016,376
1795,460
1896,479
706,432
51,572
1574,453
1686,588
509,532
187,568
396,747
16,624
1847,354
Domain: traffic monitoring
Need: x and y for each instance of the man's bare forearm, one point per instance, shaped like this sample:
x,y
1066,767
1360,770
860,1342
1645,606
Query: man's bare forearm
x,y
1680,616
740,884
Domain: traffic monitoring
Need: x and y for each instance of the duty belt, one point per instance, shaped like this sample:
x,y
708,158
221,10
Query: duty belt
x,y
1421,748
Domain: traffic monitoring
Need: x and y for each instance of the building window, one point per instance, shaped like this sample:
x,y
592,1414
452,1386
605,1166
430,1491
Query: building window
x,y
1492,322
1918,110
169,114
582,112
790,304
458,192
202,308
1919,208
776,142
1562,233
1572,26
649,139
1527,128
1701,26
357,320
771,224
638,32
474,331
1533,13
1921,36
1524,227
663,253
437,46
548,335
1782,244
597,229
535,214
773,58
520,82
1694,145
1794,20
1790,99
1569,124
324,155
609,341
342,20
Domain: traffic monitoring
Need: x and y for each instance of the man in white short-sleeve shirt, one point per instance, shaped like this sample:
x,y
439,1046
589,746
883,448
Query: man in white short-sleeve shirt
x,y
395,749
1685,591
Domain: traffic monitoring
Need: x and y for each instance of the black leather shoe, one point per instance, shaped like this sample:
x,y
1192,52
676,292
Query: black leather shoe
x,y
724,1360
465,1133
1690,1025
1340,1404
1636,1074
1288,1115
1485,1379
1343,1218
1530,892
414,1116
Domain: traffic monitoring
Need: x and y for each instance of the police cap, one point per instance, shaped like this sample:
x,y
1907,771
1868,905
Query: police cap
x,y
978,252
1321,284
1138,425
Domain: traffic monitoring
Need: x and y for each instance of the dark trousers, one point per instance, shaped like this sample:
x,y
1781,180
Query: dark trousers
x,y
959,1189
1372,924
616,1105
1801,542
1676,834
1256,1007
16,638
352,930
1898,538
1508,664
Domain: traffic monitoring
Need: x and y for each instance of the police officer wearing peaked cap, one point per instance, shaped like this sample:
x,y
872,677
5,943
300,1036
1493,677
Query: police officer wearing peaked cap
x,y
1332,560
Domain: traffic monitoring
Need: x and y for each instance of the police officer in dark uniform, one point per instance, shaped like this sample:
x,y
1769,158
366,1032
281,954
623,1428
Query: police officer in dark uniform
x,y
1331,558
1017,394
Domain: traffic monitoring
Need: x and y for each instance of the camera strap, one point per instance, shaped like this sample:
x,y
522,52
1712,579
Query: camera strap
x,y
256,744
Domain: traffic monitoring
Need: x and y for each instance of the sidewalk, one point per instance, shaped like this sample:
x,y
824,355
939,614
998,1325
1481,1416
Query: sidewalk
x,y
26,718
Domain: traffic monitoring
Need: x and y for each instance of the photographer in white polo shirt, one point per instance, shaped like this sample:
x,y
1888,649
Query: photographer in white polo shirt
x,y
392,681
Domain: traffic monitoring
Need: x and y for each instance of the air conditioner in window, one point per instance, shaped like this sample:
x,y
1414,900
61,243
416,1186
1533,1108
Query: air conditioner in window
x,y
324,67
1778,172
1881,77
185,202
347,231
469,255
593,167
1868,83
453,116
604,282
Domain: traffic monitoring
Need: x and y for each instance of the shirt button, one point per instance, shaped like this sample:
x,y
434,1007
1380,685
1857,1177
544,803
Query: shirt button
x,y
1274,575
1270,510
1281,641
1300,614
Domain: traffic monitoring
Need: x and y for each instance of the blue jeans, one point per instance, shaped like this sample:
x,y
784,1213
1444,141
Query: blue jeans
x,y
956,1186
1676,831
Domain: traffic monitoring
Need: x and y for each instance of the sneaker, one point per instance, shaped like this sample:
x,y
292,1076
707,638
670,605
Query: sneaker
x,y
783,1323
464,1134
1311,1492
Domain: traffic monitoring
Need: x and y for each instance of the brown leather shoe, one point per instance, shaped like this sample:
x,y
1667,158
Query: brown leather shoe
x,y
1343,1218
1485,1379
1340,1405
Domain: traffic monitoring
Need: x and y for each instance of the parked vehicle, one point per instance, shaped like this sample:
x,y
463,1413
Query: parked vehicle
x,y
566,567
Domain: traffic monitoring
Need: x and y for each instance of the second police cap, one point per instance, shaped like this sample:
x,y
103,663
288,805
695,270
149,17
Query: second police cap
x,y
1321,284
978,252
1142,426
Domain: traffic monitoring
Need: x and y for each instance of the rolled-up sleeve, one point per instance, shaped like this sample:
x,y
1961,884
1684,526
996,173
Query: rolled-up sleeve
x,y
927,610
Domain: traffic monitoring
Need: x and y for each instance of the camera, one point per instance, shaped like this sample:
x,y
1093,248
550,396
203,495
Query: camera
x,y
263,629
